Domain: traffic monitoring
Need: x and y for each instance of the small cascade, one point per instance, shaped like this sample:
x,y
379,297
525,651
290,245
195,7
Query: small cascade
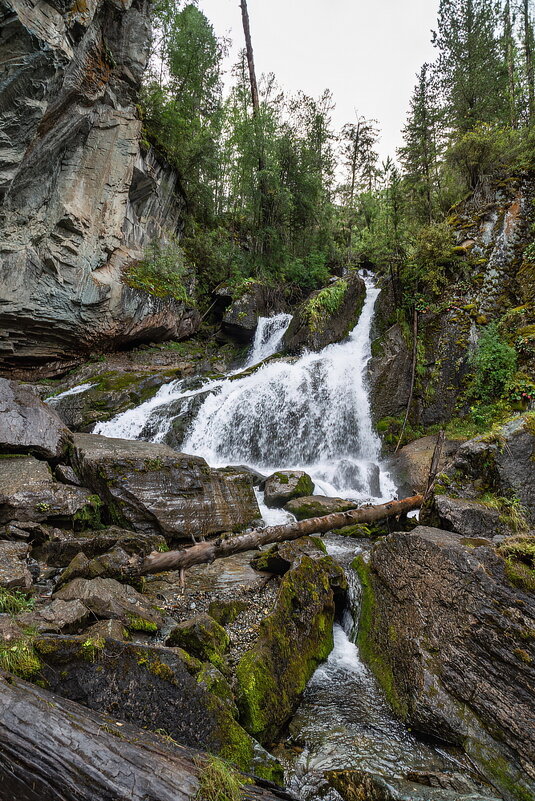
x,y
268,337
344,721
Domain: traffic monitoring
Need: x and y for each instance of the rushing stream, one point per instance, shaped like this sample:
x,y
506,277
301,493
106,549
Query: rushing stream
x,y
312,413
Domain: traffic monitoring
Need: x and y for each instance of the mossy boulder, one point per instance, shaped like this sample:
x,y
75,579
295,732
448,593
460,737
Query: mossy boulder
x,y
226,612
327,315
64,545
317,506
285,485
450,638
282,556
292,641
201,636
152,687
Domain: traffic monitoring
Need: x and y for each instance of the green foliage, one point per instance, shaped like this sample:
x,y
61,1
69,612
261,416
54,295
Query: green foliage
x,y
13,602
512,512
494,363
326,302
519,555
218,781
19,657
161,272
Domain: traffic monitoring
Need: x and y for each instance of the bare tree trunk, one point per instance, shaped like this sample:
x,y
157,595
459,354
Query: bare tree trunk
x,y
530,68
435,461
205,552
250,57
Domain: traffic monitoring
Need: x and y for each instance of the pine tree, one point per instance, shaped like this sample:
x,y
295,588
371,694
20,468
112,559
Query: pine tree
x,y
471,70
419,156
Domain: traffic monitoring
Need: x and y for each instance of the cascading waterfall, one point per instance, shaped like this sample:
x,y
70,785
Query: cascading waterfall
x,y
312,413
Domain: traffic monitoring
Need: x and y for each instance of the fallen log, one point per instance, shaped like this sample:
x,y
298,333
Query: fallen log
x,y
205,552
53,749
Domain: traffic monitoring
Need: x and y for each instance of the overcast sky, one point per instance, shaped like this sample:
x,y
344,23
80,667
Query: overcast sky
x,y
366,51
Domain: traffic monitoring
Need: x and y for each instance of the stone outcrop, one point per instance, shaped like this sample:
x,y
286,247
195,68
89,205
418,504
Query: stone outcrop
x,y
28,493
27,425
467,517
153,489
80,200
14,573
326,316
451,641
286,485
244,306
413,461
317,506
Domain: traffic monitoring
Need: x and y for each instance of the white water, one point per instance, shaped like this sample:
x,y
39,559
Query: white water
x,y
312,413
268,337
74,391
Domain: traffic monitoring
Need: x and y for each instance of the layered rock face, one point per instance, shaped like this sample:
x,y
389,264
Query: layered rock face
x,y
79,199
451,640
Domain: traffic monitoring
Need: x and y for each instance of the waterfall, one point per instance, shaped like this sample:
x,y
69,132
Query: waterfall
x,y
311,413
268,337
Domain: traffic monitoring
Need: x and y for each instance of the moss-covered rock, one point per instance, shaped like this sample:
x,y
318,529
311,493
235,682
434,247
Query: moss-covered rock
x,y
201,636
285,485
292,641
317,506
327,315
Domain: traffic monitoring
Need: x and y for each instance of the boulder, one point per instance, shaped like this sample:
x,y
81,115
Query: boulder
x,y
58,617
282,556
156,688
62,291
293,639
354,785
153,489
327,315
107,598
244,306
450,638
28,493
285,485
64,545
14,573
27,425
413,461
317,506
201,637
108,629
467,517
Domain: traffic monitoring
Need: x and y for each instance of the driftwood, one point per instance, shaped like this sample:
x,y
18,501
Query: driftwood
x,y
205,552
52,749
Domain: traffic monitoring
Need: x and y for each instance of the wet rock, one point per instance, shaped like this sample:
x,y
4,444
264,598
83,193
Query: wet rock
x,y
318,505
390,374
450,638
152,687
107,598
27,425
66,475
292,640
254,300
413,461
355,785
466,517
201,637
153,489
108,394
285,485
56,617
282,556
14,573
28,493
326,316
109,629
62,293
226,612
64,545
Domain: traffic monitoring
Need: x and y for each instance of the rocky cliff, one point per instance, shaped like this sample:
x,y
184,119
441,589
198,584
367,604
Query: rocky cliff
x,y
80,199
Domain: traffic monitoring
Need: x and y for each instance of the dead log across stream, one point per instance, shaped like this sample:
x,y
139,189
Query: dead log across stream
x,y
52,749
217,549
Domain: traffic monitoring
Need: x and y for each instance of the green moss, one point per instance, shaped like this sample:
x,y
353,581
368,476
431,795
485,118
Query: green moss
x,y
153,465
499,770
318,542
324,303
371,653
92,647
519,555
523,655
89,515
135,623
282,478
226,612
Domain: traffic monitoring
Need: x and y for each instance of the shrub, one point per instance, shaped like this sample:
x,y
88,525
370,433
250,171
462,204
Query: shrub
x,y
161,272
218,781
495,365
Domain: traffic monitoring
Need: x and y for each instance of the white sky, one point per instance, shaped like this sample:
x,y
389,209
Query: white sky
x,y
366,51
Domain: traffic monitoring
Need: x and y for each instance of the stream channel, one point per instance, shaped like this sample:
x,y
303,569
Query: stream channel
x,y
310,413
